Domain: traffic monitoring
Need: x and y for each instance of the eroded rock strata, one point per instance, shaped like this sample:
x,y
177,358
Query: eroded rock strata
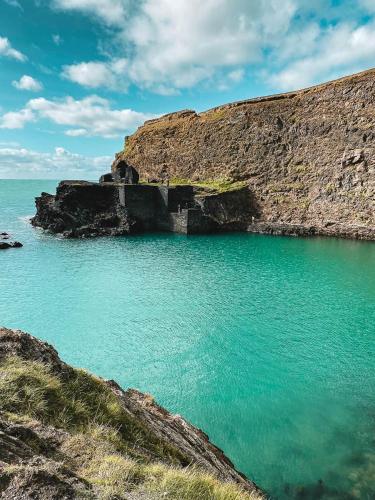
x,y
67,434
308,157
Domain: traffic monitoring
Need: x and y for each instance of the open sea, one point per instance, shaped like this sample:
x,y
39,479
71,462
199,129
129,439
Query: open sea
x,y
266,343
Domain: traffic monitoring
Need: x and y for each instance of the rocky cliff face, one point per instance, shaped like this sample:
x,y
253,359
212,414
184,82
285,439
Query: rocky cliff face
x,y
308,156
81,209
65,434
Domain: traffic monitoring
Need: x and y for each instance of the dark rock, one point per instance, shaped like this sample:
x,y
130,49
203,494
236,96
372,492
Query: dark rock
x,y
123,172
17,343
8,244
83,209
106,178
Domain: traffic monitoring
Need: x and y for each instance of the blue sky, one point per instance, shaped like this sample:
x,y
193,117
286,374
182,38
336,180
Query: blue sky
x,y
78,75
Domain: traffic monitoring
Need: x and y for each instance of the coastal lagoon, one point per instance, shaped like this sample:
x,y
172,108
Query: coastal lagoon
x,y
267,343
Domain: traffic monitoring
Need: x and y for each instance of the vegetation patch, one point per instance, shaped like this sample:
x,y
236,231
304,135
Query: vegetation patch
x,y
211,185
216,114
103,445
75,404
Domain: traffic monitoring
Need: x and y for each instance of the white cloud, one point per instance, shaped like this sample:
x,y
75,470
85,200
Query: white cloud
x,y
27,82
17,162
183,43
171,45
14,3
110,11
16,119
7,50
57,40
335,52
98,74
76,132
369,5
236,75
91,116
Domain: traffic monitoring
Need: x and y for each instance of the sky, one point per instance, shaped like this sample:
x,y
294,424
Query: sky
x,y
76,76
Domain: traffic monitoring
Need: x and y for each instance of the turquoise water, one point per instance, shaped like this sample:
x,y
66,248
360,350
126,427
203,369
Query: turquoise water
x,y
266,343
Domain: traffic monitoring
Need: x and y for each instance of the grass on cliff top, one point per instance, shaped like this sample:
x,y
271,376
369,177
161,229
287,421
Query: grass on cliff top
x,y
29,389
214,186
105,446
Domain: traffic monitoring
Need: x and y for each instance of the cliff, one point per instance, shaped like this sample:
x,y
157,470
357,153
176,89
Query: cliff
x,y
307,156
65,434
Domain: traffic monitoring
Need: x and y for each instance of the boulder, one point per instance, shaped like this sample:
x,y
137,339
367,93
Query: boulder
x,y
8,244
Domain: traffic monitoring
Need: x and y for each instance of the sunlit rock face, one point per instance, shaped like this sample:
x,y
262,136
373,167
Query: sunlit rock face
x,y
308,156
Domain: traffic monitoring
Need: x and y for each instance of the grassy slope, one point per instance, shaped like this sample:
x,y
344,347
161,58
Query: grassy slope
x,y
210,186
105,446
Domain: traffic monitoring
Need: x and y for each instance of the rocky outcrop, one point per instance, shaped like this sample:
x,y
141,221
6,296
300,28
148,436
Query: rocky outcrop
x,y
82,209
107,208
47,455
5,242
308,156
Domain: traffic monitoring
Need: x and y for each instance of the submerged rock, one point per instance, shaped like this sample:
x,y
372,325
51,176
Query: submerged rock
x,y
4,243
67,434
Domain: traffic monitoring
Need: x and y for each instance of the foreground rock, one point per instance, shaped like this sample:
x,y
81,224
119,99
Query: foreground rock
x,y
307,156
67,434
5,242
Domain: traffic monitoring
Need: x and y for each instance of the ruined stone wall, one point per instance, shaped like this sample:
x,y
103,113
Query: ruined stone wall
x,y
308,156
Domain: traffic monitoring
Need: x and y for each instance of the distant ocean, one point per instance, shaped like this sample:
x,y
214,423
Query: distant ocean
x,y
267,343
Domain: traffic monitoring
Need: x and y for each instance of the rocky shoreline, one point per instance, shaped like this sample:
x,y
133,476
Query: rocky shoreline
x,y
67,434
353,232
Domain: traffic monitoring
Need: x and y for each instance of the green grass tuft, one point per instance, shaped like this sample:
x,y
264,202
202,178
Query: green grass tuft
x,y
28,388
106,446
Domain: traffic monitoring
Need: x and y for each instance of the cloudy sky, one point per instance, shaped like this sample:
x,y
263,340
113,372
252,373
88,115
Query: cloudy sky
x,y
76,76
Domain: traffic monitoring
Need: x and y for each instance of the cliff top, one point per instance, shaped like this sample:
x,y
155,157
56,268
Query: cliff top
x,y
370,73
